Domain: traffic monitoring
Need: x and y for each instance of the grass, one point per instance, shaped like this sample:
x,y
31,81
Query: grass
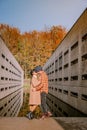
x,y
25,107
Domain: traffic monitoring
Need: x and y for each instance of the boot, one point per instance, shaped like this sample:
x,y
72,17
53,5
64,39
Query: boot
x,y
30,115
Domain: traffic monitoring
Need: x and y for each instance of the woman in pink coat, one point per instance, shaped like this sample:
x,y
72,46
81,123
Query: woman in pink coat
x,y
34,98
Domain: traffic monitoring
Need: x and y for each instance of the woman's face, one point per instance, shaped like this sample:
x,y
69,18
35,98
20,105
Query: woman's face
x,y
34,73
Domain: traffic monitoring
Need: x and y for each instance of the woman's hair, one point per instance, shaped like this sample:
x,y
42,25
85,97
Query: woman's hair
x,y
31,72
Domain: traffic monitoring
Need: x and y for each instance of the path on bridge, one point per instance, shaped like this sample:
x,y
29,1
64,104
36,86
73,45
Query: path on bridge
x,y
56,123
22,123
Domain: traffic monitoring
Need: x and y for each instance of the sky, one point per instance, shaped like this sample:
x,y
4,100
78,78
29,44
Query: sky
x,y
29,15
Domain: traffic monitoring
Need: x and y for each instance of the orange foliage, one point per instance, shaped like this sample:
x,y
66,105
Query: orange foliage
x,y
33,48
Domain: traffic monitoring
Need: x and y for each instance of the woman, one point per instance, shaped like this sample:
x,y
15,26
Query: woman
x,y
34,98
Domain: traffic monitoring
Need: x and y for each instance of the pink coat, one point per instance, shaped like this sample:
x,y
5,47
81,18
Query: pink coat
x,y
34,98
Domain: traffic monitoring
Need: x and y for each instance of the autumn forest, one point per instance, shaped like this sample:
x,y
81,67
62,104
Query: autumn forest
x,y
32,48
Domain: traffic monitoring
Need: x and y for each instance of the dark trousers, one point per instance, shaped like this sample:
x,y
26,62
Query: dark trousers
x,y
44,106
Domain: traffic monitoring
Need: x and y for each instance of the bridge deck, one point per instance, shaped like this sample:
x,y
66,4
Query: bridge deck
x,y
22,123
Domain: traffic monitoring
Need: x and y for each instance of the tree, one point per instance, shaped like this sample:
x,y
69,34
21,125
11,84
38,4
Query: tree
x,y
32,48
